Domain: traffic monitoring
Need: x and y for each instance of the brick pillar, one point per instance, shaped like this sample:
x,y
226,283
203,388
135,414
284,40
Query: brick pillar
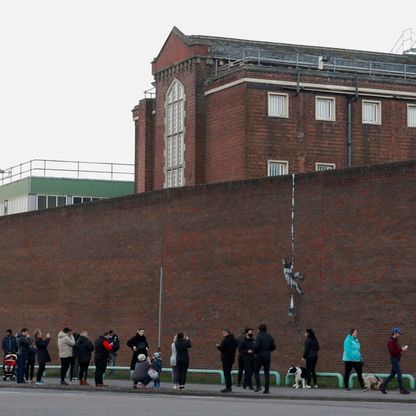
x,y
144,121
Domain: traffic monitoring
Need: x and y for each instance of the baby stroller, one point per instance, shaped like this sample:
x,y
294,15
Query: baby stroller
x,y
9,367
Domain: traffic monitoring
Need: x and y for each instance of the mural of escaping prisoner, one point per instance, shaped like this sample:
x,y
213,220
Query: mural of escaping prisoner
x,y
292,278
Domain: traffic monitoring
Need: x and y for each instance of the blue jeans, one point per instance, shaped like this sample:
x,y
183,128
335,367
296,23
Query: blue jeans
x,y
395,370
21,367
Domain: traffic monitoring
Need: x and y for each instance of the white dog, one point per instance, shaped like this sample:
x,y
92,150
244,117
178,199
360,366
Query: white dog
x,y
371,380
300,376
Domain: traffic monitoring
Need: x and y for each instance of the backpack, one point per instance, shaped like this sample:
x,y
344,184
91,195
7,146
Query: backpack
x,y
116,343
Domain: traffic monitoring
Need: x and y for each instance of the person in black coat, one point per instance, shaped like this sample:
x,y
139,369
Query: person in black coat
x,y
31,360
102,354
42,353
9,343
263,347
74,366
310,356
138,344
228,348
23,345
182,344
246,351
240,359
83,349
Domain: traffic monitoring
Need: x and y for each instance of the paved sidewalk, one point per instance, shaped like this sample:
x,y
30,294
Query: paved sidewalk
x,y
281,393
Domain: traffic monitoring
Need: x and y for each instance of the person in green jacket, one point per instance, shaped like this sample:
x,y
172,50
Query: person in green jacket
x,y
353,359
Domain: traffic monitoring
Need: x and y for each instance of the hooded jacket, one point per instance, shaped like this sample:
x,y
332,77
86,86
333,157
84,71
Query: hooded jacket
x,y
351,349
84,348
65,344
140,370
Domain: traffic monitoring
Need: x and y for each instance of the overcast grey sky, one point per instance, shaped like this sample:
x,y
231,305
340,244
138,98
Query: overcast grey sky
x,y
71,71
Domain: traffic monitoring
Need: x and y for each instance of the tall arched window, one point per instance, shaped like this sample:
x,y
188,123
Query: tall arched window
x,y
174,144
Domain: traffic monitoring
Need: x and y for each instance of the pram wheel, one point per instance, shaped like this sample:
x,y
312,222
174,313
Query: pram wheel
x,y
4,378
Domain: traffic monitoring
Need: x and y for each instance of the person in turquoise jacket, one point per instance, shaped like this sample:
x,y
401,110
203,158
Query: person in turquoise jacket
x,y
353,359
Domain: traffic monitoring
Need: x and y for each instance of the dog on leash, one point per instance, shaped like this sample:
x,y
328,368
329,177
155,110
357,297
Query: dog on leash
x,y
371,380
300,376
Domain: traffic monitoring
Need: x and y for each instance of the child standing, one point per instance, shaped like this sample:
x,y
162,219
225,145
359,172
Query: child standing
x,y
156,364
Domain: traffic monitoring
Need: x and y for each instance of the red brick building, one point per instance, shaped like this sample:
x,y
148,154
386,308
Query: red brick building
x,y
230,109
98,266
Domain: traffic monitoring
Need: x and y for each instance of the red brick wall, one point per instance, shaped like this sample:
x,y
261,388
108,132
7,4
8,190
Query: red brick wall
x,y
174,51
226,135
300,139
96,266
144,121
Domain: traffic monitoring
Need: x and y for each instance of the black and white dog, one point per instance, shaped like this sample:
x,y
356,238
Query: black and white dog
x,y
300,376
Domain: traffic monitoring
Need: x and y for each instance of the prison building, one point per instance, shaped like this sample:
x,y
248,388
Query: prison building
x,y
229,109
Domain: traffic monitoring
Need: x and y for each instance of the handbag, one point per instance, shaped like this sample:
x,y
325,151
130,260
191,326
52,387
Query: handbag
x,y
153,374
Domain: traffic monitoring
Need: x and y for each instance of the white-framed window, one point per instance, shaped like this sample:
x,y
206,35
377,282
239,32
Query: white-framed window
x,y
53,201
325,108
174,137
371,112
411,115
83,199
277,167
50,201
320,166
278,105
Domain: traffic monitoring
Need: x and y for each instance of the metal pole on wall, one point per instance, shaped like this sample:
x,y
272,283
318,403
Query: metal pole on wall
x,y
160,308
292,228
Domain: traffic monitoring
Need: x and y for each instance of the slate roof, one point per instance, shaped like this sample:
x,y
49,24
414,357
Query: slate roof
x,y
224,47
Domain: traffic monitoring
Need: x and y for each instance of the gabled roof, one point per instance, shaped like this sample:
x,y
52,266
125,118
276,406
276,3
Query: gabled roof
x,y
187,40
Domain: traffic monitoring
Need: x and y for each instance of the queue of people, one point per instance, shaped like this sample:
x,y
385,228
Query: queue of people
x,y
74,350
254,353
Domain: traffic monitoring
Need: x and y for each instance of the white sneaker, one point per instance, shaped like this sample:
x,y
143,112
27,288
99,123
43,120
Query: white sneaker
x,y
307,386
315,386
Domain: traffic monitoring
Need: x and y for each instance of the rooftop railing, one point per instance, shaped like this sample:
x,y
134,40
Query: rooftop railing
x,y
260,57
68,169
